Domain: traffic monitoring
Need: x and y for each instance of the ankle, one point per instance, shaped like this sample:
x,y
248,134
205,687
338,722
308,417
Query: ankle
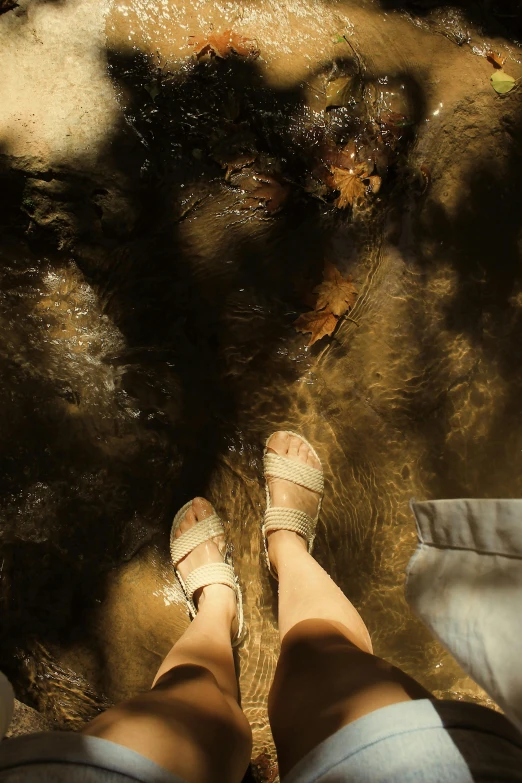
x,y
217,598
283,544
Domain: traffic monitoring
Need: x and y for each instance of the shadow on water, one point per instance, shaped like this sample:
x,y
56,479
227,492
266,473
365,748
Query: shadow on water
x,y
495,18
479,241
99,452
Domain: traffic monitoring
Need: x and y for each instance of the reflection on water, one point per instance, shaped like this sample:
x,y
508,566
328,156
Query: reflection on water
x,y
147,311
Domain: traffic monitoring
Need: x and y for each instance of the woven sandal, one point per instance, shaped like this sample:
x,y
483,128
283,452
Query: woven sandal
x,y
210,573
277,518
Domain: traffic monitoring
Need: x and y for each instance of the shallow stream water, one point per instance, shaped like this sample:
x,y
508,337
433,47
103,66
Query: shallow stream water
x,y
148,297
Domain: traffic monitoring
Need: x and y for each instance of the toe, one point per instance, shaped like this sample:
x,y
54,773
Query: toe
x,y
303,451
202,508
188,520
312,460
293,446
279,442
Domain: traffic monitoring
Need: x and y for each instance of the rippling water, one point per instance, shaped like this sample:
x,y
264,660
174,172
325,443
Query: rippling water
x,y
148,343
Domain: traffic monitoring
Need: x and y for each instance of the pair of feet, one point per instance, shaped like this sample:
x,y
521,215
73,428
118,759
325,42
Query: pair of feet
x,y
283,493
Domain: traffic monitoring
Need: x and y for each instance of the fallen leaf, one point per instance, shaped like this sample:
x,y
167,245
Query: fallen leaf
x,y
273,194
502,82
335,294
319,323
350,185
263,187
223,44
233,147
394,123
426,173
338,92
238,163
152,89
264,769
495,59
375,183
339,39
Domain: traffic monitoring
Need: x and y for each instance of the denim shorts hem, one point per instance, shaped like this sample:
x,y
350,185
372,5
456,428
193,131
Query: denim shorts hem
x,y
411,733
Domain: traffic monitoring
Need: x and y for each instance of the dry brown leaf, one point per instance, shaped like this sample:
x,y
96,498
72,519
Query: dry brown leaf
x,y
264,768
223,44
375,183
394,125
274,195
343,158
319,323
237,163
349,183
267,189
495,59
426,173
338,92
336,294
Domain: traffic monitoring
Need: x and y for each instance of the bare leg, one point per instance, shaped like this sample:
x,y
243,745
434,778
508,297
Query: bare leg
x,y
190,721
327,675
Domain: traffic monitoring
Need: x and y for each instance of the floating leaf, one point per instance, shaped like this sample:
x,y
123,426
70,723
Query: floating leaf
x,y
223,44
495,59
375,183
266,769
339,39
426,173
274,195
502,82
319,323
343,158
237,163
394,123
265,188
338,92
335,294
153,90
350,185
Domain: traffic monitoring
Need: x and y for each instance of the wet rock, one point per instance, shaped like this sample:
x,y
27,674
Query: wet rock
x,y
27,720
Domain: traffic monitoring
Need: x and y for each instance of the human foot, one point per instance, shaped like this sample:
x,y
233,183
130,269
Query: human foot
x,y
221,596
288,494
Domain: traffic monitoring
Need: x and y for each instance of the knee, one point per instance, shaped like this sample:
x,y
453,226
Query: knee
x,y
315,645
316,660
199,696
184,675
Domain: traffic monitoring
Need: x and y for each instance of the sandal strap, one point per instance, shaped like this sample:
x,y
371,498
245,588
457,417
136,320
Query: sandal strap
x,y
300,522
210,574
199,533
280,467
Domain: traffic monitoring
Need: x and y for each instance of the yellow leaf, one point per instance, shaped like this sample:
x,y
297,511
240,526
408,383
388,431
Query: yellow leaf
x,y
319,324
496,59
502,82
335,294
350,185
223,44
338,92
